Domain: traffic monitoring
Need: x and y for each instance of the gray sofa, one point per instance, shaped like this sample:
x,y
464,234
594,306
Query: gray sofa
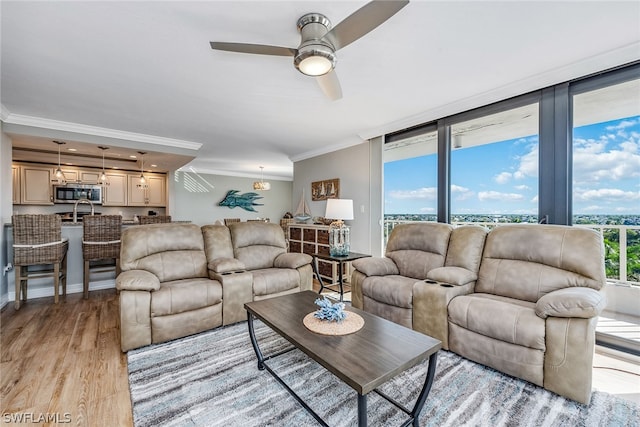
x,y
181,279
523,299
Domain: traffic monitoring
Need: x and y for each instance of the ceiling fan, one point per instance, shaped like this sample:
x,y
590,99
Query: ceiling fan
x,y
316,54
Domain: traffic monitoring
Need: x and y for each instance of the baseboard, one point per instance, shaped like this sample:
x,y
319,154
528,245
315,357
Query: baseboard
x,y
4,300
72,288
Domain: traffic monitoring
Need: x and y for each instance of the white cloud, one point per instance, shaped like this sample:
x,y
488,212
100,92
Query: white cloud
x,y
461,193
629,146
429,193
427,210
605,194
623,124
592,164
534,199
522,187
528,166
496,195
503,177
593,208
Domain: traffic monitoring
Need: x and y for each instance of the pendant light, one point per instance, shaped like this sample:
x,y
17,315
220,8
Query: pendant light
x,y
261,185
104,180
59,173
143,181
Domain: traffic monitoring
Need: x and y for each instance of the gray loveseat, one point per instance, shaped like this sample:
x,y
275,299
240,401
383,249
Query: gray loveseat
x,y
181,279
523,299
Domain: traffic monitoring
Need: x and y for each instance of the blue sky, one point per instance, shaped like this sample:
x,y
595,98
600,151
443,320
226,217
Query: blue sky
x,y
502,178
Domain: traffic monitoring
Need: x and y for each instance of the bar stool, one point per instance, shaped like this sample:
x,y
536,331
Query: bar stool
x,y
154,219
37,240
100,241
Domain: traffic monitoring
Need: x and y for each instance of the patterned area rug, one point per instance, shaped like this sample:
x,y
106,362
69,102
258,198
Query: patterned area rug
x,y
212,379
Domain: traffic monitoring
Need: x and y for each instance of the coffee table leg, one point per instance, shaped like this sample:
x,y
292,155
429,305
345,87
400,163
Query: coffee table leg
x,y
362,410
254,342
428,382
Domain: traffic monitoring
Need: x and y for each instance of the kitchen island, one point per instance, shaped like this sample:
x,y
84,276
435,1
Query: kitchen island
x,y
38,288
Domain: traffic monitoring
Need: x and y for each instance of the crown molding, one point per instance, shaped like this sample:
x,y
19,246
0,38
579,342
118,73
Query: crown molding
x,y
355,140
4,112
38,122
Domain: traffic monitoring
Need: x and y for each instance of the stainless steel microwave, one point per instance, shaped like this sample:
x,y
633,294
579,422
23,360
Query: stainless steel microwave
x,y
72,193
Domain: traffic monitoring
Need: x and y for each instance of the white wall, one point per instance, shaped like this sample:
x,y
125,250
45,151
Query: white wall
x,y
360,171
194,197
6,208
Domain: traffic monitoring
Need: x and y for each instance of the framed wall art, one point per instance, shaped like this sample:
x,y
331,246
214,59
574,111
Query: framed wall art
x,y
327,189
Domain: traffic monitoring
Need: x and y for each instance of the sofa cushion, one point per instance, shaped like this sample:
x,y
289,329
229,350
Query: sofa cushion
x,y
257,243
269,281
184,295
465,247
506,319
418,248
529,261
571,302
217,242
170,251
391,290
374,266
292,260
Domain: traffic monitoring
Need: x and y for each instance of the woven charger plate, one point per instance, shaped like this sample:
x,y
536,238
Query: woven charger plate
x,y
352,323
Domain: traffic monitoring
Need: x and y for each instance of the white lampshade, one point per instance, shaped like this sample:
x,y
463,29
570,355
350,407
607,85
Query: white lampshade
x,y
339,209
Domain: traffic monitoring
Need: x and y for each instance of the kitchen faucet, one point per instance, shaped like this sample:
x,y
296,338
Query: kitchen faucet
x,y
75,208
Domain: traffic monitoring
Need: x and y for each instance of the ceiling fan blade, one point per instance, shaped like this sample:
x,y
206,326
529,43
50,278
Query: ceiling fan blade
x,y
260,49
362,21
330,85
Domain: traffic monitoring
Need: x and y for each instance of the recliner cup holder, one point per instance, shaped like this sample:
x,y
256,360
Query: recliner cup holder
x,y
435,282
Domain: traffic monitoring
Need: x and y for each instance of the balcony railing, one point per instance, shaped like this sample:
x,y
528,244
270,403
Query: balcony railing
x,y
616,258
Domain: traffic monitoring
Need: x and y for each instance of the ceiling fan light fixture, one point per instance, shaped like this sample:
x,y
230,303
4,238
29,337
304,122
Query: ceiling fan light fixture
x,y
315,60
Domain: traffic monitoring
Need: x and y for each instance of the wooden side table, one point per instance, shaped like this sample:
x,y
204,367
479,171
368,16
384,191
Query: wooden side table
x,y
340,260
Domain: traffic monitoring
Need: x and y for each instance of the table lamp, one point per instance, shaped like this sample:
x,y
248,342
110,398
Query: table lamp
x,y
339,210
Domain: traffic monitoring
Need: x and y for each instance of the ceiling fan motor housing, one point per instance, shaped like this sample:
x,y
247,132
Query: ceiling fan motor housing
x,y
315,56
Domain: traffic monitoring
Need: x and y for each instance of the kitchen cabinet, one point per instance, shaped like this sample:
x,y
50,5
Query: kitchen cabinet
x,y
70,175
115,194
311,239
154,194
15,174
35,185
89,176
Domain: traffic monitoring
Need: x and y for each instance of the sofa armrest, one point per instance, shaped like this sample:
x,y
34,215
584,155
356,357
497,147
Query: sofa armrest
x,y
571,302
225,265
454,275
376,266
137,280
291,260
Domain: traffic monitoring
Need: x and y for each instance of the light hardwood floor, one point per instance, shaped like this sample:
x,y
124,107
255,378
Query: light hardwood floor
x,y
65,361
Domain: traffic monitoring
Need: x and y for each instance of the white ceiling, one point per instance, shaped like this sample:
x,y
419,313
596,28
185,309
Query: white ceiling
x,y
141,75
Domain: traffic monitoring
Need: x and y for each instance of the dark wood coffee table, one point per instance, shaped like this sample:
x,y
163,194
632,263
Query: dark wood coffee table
x,y
364,360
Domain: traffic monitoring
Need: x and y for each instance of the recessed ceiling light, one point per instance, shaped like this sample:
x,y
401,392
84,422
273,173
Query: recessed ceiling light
x,y
154,166
133,156
72,149
69,164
